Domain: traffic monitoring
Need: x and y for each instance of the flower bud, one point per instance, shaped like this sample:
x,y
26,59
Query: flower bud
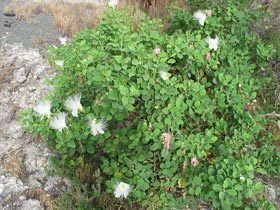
x,y
156,51
194,162
166,140
242,178
208,56
208,12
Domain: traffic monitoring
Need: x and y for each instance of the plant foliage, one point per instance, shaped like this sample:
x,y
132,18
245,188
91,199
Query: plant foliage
x,y
206,103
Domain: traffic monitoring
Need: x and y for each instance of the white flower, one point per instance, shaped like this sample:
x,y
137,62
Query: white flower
x,y
242,178
200,16
59,63
73,103
97,127
43,108
212,43
59,122
122,190
113,3
164,75
63,40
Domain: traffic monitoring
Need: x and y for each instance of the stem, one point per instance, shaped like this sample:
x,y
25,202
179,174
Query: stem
x,y
273,114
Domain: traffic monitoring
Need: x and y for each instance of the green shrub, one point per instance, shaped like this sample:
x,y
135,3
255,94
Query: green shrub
x,y
182,122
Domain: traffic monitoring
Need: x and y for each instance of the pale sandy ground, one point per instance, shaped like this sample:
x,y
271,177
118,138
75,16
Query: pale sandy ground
x,y
24,161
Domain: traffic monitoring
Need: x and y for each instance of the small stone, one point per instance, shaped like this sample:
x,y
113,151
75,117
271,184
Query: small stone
x,y
51,184
21,75
270,193
7,24
31,204
19,182
22,198
13,180
9,14
2,187
33,183
31,89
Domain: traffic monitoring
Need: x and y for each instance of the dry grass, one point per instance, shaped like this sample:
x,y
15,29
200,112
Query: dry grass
x,y
159,8
39,40
69,17
5,71
12,163
72,18
46,199
5,74
269,26
25,10
7,9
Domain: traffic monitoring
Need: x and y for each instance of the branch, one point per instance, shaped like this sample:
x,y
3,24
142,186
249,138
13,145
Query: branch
x,y
273,114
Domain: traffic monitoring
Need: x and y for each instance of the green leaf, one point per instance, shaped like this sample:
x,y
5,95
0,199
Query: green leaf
x,y
142,184
261,171
171,61
125,100
221,195
238,187
123,90
135,62
118,175
237,202
155,146
197,190
258,186
118,59
197,104
146,76
226,183
217,187
197,180
71,144
232,192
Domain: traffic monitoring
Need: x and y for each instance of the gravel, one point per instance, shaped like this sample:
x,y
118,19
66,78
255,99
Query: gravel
x,y
40,28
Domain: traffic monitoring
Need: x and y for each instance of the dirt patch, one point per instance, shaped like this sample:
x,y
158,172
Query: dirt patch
x,y
13,163
24,161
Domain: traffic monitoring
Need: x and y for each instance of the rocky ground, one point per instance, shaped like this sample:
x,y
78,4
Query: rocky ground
x,y
24,165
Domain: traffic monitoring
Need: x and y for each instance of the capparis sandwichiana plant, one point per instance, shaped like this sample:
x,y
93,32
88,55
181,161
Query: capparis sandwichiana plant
x,y
170,120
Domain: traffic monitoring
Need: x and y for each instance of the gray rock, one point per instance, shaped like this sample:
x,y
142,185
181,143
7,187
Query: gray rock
x,y
9,14
22,198
32,89
31,205
21,74
7,24
33,183
270,193
2,187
